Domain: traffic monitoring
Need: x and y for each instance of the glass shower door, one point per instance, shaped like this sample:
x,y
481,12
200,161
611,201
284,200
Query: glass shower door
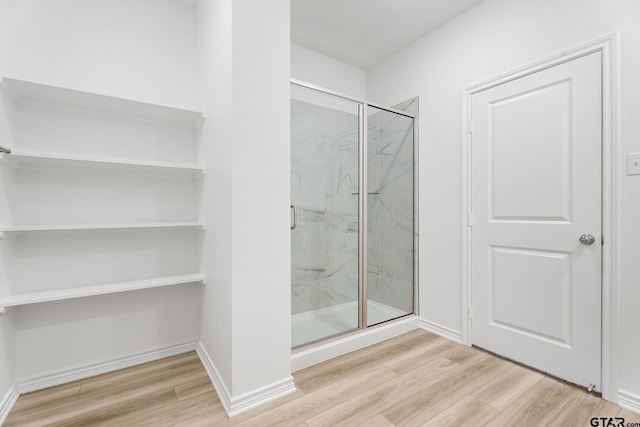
x,y
390,215
324,196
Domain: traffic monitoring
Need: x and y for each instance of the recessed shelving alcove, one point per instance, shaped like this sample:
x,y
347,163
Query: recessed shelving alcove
x,y
99,195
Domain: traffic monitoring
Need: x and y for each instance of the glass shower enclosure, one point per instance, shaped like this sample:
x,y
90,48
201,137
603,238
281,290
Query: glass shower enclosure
x,y
353,208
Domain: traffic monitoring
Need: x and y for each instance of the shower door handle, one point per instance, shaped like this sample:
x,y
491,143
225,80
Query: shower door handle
x,y
295,218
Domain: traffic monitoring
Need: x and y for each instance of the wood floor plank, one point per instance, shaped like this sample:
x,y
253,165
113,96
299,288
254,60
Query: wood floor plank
x,y
129,377
578,410
118,413
469,411
205,406
416,379
325,373
430,401
114,393
140,370
376,421
355,411
193,388
461,354
389,395
430,350
584,407
541,405
155,380
52,395
629,417
507,386
94,414
298,411
604,409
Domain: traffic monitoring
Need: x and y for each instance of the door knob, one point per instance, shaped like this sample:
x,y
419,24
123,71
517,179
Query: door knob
x,y
587,239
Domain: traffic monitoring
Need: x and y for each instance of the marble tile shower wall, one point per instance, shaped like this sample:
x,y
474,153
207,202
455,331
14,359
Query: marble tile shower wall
x,y
324,183
324,187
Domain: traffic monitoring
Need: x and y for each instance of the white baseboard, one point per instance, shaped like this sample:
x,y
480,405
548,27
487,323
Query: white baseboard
x,y
443,331
51,380
261,396
221,388
321,353
7,403
235,405
629,401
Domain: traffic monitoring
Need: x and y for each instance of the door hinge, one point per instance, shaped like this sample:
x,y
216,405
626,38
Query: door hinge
x,y
470,126
469,313
470,220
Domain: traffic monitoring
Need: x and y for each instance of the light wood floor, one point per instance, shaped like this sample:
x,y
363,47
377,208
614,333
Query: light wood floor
x,y
416,379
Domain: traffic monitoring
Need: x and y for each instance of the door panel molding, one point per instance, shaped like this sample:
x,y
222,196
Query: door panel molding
x,y
611,155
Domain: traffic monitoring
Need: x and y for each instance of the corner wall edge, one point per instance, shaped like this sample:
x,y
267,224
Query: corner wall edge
x,y
235,405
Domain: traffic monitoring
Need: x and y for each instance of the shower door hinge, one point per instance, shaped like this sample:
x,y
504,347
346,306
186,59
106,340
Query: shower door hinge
x,y
470,126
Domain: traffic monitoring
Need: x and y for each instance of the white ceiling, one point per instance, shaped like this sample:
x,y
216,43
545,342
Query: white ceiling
x,y
363,32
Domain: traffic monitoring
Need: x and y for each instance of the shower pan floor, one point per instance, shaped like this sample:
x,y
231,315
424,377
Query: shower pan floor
x,y
315,325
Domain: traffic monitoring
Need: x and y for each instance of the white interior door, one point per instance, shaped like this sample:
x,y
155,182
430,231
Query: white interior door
x,y
536,188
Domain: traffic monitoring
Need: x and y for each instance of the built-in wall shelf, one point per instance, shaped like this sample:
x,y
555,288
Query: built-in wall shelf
x,y
32,92
17,229
87,291
21,159
96,190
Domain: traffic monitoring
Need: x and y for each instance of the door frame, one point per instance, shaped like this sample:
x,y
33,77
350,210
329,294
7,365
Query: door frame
x,y
611,182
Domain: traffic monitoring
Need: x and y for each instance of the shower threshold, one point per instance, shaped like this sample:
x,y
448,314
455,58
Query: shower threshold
x,y
315,325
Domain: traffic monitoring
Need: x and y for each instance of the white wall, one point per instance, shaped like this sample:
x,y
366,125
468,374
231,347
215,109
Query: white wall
x,y
6,36
490,39
321,70
139,49
246,326
261,150
59,336
215,50
7,330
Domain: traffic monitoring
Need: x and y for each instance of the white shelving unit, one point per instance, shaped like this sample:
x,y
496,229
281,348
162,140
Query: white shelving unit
x,y
84,163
